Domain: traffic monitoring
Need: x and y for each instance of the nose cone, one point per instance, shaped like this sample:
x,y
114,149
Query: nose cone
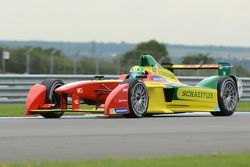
x,y
61,89
70,87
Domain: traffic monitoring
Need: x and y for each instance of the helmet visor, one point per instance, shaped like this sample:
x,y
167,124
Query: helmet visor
x,y
134,74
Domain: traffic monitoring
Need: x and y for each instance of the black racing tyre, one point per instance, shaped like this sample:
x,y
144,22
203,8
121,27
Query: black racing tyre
x,y
227,96
148,115
52,97
137,98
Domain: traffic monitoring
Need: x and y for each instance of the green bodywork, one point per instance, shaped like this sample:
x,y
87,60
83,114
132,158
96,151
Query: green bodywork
x,y
224,69
210,82
148,60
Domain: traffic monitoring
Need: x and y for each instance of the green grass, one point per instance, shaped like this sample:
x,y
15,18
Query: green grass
x,y
214,160
18,109
12,109
243,106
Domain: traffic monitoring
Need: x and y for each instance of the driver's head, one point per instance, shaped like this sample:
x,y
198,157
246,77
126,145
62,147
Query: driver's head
x,y
136,71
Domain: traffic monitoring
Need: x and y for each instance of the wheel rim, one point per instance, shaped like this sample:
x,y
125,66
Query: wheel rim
x,y
229,96
139,98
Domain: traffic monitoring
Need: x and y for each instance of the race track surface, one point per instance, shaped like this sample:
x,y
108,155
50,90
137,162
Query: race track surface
x,y
88,137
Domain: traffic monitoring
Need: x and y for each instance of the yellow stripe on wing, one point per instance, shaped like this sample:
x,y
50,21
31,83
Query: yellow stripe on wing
x,y
191,66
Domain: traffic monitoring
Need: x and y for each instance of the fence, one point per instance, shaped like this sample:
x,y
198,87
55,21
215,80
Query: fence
x,y
14,88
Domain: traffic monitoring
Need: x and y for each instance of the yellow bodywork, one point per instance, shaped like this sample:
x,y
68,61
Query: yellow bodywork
x,y
186,99
157,103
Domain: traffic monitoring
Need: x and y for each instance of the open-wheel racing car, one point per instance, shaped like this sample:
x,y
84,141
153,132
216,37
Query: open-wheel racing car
x,y
148,89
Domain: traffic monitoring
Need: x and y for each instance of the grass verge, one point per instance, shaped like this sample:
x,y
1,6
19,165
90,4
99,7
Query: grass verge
x,y
221,160
18,109
13,110
243,106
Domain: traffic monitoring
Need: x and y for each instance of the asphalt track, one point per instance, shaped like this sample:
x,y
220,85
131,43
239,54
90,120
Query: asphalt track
x,y
91,137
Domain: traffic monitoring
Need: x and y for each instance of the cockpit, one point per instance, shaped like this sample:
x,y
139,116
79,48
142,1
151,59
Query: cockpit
x,y
150,70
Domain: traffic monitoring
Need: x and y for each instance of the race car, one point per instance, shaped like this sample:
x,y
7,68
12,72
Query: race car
x,y
148,89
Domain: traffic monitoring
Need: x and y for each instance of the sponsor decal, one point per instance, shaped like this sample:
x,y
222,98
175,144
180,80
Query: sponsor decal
x,y
122,100
76,102
158,78
118,110
121,110
124,89
79,90
198,94
166,74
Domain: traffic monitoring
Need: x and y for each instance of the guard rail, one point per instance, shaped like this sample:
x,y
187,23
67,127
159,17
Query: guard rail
x,y
14,88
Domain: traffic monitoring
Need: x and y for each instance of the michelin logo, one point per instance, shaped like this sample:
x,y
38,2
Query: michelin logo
x,y
121,110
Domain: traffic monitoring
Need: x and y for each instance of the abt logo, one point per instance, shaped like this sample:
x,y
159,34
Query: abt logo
x,y
79,90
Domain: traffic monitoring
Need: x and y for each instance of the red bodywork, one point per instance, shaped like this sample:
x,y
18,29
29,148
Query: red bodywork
x,y
107,94
35,98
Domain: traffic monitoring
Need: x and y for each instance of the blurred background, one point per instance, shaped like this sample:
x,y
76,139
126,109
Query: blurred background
x,y
107,37
34,57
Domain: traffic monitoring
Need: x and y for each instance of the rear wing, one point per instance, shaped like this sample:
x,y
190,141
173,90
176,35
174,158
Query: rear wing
x,y
224,68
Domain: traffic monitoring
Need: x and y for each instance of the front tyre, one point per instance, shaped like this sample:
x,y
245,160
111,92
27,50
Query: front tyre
x,y
137,98
52,97
227,96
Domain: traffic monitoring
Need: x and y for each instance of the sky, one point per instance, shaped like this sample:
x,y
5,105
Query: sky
x,y
191,22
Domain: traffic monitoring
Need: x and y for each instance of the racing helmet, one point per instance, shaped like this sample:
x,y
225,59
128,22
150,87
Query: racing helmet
x,y
136,71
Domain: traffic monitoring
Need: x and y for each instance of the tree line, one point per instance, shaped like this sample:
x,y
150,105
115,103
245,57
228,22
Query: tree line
x,y
40,61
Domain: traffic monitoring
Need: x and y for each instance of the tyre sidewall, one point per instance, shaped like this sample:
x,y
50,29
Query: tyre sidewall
x,y
52,98
132,83
221,86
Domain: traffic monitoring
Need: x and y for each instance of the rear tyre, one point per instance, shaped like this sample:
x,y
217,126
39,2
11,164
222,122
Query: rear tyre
x,y
137,98
227,96
148,115
52,97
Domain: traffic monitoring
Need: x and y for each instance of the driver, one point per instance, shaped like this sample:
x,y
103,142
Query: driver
x,y
136,71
